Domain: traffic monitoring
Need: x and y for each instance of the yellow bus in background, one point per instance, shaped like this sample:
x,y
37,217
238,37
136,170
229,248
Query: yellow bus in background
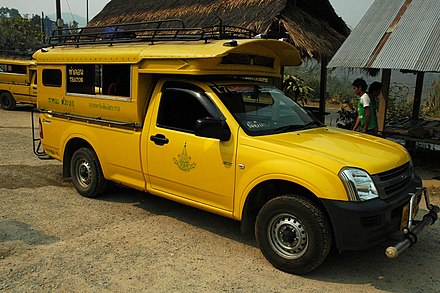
x,y
18,82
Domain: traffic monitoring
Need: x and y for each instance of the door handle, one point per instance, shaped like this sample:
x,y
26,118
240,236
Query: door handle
x,y
159,139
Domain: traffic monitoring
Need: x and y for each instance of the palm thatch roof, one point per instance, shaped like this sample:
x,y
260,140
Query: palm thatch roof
x,y
312,25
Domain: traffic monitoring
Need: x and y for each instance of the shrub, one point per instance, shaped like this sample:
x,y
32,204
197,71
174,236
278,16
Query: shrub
x,y
400,103
296,88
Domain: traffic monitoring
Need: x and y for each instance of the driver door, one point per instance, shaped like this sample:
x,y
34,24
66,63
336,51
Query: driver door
x,y
184,165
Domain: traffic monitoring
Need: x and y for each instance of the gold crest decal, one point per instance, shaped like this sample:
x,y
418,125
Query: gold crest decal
x,y
183,161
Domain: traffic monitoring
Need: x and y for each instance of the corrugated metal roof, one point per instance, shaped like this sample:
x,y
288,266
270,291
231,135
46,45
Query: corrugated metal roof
x,y
398,34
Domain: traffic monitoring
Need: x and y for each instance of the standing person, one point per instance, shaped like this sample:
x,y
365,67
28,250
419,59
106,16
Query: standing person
x,y
366,120
373,92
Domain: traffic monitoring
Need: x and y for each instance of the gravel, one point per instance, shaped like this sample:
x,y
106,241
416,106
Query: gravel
x,y
52,239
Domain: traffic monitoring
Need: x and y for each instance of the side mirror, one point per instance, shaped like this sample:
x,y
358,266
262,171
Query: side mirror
x,y
212,128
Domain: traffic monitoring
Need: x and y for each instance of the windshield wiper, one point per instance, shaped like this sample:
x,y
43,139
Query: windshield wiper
x,y
288,128
313,123
293,127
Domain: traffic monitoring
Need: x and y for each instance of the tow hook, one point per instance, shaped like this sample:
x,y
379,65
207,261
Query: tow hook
x,y
413,231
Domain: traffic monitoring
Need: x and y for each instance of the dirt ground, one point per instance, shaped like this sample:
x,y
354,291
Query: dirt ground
x,y
52,239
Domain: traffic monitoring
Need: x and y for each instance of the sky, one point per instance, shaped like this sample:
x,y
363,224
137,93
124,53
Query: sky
x,y
350,10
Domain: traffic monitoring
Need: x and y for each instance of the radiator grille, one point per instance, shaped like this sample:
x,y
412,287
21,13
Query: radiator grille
x,y
394,181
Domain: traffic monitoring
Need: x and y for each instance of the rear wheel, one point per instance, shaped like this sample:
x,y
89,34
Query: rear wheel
x,y
7,101
293,234
86,173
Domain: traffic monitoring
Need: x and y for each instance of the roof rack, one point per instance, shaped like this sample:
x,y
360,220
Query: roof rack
x,y
149,31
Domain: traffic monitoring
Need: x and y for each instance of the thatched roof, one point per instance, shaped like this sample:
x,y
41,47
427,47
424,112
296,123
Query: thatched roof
x,y
312,25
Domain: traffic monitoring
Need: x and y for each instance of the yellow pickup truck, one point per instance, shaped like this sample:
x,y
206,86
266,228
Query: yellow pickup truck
x,y
18,82
187,114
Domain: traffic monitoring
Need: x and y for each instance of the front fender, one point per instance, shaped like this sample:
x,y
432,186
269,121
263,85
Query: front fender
x,y
319,181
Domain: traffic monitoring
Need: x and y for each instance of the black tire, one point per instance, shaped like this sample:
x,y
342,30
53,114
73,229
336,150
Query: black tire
x,y
278,225
7,101
86,173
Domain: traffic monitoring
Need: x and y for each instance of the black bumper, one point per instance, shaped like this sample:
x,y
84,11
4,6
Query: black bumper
x,y
360,225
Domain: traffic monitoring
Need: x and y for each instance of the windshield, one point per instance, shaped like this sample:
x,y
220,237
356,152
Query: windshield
x,y
264,109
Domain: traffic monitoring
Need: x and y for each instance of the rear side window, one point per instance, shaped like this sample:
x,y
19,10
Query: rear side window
x,y
81,78
97,79
12,68
52,77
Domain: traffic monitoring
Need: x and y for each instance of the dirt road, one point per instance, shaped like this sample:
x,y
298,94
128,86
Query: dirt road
x,y
52,239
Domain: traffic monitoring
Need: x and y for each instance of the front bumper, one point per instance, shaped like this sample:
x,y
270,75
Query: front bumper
x,y
360,225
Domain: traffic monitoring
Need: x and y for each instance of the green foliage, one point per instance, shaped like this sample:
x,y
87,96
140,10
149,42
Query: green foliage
x,y
18,33
310,72
431,108
340,92
297,89
308,75
400,103
347,115
7,13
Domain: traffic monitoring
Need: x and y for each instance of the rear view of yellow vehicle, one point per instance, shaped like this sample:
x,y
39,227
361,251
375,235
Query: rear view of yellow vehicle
x,y
18,82
187,114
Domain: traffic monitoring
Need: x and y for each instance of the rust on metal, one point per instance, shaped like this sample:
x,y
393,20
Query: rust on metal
x,y
387,34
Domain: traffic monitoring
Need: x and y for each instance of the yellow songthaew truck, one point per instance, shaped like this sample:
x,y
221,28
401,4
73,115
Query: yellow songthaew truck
x,y
186,114
18,82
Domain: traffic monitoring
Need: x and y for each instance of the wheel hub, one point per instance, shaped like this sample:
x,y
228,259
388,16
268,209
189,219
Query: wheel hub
x,y
84,174
287,236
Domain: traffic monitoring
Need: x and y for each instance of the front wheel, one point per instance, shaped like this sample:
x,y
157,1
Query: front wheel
x,y
7,101
293,234
86,173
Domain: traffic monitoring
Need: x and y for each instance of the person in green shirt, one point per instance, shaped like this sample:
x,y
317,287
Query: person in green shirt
x,y
366,121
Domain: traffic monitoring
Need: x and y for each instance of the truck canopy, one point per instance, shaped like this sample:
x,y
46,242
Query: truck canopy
x,y
172,50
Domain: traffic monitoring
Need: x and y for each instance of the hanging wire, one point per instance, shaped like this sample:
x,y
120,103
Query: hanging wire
x,y
68,5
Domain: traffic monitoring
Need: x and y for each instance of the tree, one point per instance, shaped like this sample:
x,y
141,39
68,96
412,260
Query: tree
x,y
18,33
9,13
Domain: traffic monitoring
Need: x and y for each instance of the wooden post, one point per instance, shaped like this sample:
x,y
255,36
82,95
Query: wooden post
x,y
418,95
323,89
277,82
383,101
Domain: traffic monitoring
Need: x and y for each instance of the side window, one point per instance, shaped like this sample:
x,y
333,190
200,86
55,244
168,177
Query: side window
x,y
81,78
116,80
12,68
94,79
180,108
52,77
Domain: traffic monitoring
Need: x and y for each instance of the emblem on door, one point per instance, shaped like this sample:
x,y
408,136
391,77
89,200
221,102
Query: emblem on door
x,y
183,161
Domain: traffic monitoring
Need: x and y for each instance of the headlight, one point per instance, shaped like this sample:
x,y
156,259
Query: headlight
x,y
358,184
